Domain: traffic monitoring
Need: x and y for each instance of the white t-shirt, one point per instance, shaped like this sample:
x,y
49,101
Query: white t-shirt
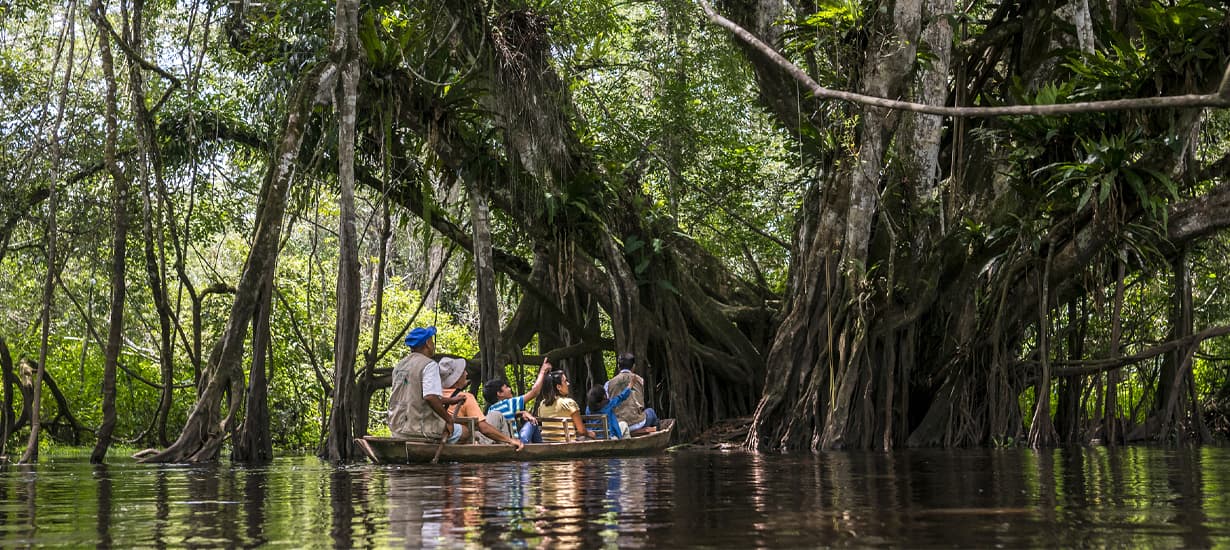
x,y
431,380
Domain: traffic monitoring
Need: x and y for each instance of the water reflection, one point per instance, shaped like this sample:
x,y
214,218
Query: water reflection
x,y
18,495
555,504
162,508
564,501
971,498
1186,483
104,505
415,508
962,498
254,506
343,508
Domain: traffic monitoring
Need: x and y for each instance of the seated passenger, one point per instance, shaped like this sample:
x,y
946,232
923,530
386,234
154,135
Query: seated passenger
x,y
503,409
555,402
640,419
599,404
453,377
417,407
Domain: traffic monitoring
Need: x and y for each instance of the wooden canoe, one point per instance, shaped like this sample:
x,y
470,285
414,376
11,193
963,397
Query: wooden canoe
x,y
387,450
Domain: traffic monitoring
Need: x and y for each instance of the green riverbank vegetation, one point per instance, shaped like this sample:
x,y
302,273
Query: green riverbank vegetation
x,y
839,224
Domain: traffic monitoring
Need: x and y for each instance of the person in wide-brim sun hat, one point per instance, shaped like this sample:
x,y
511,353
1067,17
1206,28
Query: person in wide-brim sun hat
x,y
451,369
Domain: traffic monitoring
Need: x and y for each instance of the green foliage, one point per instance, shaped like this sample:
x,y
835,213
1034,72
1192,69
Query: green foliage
x,y
1185,33
828,39
667,100
641,255
1109,161
1109,168
835,15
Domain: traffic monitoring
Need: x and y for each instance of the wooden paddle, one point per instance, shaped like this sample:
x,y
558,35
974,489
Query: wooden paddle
x,y
444,438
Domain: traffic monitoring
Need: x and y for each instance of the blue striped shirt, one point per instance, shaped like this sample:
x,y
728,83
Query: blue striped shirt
x,y
509,407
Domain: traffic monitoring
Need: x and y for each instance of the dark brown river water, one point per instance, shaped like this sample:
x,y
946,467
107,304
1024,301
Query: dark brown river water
x,y
1129,498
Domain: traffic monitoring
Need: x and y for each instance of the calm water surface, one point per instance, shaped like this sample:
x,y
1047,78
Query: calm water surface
x,y
1137,497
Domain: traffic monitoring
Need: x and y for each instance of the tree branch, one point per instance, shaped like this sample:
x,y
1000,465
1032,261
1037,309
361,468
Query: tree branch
x,y
1200,216
1221,99
98,341
101,19
1077,368
1223,91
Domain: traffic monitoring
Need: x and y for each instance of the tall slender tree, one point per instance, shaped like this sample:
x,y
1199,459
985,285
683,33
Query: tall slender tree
x,y
68,43
488,304
346,50
207,427
119,238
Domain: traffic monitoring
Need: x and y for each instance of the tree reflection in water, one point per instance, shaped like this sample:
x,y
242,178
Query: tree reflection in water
x,y
977,498
19,493
433,506
342,502
547,504
254,502
104,505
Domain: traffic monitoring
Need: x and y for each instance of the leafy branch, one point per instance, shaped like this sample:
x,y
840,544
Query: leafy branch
x,y
1219,99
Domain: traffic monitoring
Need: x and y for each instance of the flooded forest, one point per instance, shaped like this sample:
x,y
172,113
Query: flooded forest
x,y
863,225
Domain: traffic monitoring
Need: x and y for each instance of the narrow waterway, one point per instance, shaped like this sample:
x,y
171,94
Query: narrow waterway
x,y
1135,497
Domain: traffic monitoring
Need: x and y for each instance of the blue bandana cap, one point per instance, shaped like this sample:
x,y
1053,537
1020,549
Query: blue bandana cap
x,y
419,336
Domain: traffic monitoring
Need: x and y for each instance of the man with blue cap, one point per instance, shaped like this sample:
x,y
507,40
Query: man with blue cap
x,y
417,406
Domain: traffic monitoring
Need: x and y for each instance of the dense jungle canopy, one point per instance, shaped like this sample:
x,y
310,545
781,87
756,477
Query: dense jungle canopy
x,y
855,224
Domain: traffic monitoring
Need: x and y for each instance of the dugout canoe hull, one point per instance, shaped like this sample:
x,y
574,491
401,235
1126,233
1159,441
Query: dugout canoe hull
x,y
387,450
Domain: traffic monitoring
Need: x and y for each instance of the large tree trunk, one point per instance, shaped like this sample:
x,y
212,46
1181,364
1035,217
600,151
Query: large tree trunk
x,y
488,304
253,441
206,427
879,267
821,390
690,347
349,298
119,243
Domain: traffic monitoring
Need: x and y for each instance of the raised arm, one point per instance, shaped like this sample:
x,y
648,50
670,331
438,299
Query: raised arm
x,y
542,377
623,395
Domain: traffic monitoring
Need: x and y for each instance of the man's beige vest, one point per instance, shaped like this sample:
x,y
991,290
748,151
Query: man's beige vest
x,y
409,413
632,410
